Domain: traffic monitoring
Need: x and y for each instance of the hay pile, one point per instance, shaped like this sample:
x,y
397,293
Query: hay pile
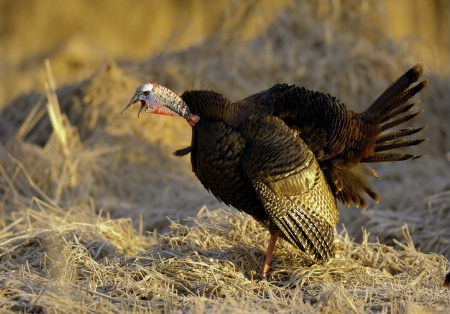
x,y
83,189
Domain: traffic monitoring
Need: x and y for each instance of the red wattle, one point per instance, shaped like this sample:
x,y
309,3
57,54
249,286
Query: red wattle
x,y
159,110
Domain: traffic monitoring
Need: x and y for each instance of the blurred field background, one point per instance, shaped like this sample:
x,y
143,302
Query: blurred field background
x,y
81,186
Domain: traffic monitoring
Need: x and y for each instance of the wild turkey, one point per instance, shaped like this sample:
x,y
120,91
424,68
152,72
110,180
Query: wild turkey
x,y
286,154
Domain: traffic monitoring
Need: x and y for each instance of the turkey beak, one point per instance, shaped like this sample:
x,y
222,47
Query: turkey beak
x,y
134,100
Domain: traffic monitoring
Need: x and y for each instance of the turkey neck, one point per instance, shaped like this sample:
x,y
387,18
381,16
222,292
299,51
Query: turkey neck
x,y
213,106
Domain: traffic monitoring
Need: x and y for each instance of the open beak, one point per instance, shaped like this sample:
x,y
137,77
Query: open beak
x,y
134,100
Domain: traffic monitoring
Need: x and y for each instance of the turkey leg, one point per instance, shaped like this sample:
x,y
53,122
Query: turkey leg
x,y
269,255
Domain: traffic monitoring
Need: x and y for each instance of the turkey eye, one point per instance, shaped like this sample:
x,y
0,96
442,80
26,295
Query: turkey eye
x,y
146,93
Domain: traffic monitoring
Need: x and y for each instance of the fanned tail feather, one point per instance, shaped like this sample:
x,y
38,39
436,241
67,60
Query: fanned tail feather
x,y
396,91
399,133
399,121
392,109
386,157
352,183
388,145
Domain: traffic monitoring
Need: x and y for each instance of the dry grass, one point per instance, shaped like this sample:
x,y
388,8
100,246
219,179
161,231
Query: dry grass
x,y
104,265
82,189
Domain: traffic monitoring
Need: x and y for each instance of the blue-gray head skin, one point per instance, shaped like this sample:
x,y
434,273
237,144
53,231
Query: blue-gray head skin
x,y
155,98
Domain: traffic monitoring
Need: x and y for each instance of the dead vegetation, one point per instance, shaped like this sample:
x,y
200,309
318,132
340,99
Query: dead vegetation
x,y
104,265
82,189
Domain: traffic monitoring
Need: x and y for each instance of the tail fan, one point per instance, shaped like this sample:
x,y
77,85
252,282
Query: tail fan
x,y
391,109
377,139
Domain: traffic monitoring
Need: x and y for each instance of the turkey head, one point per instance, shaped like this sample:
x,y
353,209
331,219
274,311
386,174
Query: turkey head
x,y
158,99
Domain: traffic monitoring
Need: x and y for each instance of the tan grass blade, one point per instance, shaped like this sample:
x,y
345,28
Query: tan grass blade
x,y
30,121
53,109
